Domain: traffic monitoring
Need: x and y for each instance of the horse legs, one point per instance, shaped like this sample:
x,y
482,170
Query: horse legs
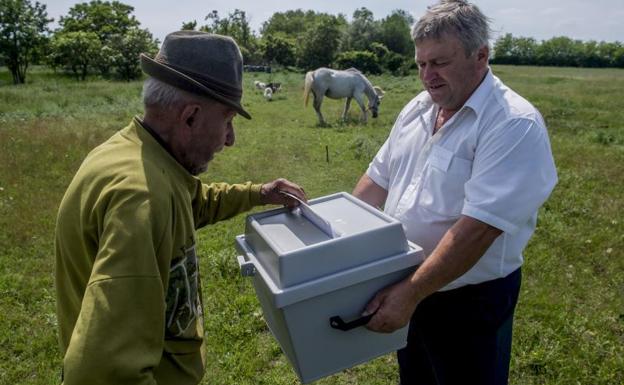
x,y
318,100
360,102
346,109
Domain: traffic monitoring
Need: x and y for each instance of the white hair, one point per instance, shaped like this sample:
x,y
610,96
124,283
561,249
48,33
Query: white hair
x,y
455,17
160,94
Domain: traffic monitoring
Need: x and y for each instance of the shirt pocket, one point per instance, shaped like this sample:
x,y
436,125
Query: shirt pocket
x,y
443,183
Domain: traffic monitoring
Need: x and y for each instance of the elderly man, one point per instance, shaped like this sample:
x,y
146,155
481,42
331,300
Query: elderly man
x,y
465,169
127,276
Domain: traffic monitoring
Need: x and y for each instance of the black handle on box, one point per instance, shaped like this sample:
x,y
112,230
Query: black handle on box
x,y
337,322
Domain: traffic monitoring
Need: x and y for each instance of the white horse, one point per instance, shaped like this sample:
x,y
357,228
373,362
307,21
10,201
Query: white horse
x,y
336,84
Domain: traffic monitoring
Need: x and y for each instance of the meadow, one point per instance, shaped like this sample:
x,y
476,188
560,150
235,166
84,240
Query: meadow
x,y
569,326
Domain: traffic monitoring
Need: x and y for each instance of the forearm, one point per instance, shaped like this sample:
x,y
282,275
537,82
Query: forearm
x,y
459,250
370,192
219,201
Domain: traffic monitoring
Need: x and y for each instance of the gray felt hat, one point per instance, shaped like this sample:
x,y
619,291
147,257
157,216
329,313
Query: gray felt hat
x,y
201,63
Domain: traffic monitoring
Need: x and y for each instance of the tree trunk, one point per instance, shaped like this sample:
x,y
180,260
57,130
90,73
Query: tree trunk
x,y
21,73
17,74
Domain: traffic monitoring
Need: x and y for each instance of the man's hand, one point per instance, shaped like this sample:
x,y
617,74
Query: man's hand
x,y
270,193
394,306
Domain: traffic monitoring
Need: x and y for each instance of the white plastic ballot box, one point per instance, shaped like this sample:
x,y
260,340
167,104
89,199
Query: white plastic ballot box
x,y
314,280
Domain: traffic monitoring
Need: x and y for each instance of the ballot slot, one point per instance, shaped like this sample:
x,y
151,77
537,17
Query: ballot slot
x,y
294,249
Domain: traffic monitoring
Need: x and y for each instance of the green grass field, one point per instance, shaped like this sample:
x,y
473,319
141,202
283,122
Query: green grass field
x,y
570,319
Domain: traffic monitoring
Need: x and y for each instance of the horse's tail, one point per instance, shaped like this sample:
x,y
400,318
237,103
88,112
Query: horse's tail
x,y
309,78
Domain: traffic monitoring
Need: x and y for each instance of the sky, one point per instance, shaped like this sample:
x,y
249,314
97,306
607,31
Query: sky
x,y
601,20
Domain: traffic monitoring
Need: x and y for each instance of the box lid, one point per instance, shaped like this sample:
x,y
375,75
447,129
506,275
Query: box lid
x,y
293,249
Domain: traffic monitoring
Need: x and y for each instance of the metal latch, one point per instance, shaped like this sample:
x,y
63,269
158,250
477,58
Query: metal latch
x,y
247,268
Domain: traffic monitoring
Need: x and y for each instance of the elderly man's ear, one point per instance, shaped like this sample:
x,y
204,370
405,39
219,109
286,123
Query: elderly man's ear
x,y
188,115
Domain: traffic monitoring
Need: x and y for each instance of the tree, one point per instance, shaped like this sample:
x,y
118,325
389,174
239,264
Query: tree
x,y
105,18
278,49
559,51
189,25
512,50
23,28
75,51
236,25
127,48
364,61
118,32
319,45
394,33
504,50
362,31
289,23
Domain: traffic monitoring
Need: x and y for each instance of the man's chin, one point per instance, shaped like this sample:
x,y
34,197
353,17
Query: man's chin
x,y
199,169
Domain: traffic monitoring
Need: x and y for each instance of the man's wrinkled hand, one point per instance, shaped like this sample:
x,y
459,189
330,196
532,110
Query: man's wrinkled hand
x,y
271,193
393,308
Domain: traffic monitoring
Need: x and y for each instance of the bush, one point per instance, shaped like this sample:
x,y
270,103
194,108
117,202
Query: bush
x,y
74,51
364,61
127,49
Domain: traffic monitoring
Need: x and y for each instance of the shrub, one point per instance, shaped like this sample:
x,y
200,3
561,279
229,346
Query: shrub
x,y
364,61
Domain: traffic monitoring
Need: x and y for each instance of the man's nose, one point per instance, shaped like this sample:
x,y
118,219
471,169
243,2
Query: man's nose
x,y
428,74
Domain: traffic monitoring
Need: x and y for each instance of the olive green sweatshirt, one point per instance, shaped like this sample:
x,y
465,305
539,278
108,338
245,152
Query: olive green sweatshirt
x,y
127,278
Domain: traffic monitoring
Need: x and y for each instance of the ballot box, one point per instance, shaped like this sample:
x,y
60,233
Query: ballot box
x,y
314,270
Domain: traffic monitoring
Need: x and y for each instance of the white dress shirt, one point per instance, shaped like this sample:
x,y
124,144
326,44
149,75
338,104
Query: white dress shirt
x,y
491,161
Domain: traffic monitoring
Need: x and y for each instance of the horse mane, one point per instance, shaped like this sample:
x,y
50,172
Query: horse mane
x,y
370,89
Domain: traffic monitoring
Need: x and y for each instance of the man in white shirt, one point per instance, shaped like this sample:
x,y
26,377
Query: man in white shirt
x,y
465,169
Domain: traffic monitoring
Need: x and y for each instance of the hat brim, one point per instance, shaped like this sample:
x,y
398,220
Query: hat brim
x,y
177,79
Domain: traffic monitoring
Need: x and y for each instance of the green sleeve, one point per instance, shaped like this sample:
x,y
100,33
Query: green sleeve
x,y
218,201
118,336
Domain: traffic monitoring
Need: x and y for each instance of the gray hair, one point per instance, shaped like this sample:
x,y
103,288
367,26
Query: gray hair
x,y
457,18
161,94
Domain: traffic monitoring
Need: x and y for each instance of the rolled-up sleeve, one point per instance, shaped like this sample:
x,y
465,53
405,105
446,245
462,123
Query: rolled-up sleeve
x,y
513,174
378,169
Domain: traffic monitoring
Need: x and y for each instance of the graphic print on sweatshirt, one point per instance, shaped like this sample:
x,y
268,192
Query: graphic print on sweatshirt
x,y
183,303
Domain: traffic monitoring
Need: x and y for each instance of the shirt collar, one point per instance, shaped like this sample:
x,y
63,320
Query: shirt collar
x,y
156,143
478,99
153,133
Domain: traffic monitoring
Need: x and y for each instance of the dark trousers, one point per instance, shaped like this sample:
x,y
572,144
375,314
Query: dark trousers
x,y
462,336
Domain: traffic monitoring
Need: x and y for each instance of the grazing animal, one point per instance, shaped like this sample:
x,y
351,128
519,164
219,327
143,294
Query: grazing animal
x,y
350,84
274,86
259,85
268,93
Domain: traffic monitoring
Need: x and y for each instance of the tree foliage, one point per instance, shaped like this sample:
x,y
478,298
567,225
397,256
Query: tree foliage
x,y
75,51
235,25
105,18
394,33
119,34
290,23
364,61
318,47
279,49
558,51
361,32
126,51
23,28
105,36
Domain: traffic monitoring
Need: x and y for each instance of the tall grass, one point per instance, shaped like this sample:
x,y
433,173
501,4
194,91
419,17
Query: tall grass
x,y
570,318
